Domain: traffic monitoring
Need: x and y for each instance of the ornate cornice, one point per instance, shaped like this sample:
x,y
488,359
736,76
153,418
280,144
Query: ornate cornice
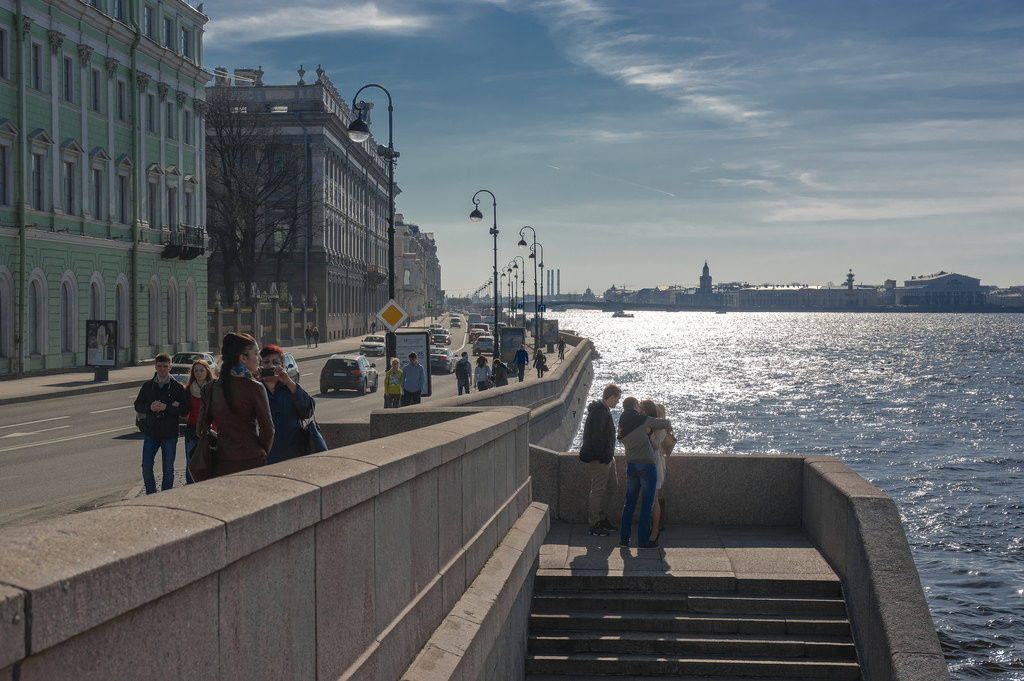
x,y
111,67
56,40
162,89
180,97
84,54
142,79
26,26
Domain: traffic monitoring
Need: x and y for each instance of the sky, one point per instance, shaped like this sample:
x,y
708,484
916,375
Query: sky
x,y
780,141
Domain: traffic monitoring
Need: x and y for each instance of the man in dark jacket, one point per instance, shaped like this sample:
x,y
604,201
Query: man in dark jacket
x,y
598,452
163,400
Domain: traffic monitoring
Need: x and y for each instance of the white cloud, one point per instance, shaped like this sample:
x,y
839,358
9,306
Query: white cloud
x,y
247,26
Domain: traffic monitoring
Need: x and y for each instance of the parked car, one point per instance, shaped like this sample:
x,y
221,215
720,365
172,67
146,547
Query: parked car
x,y
373,346
348,372
440,337
484,345
442,360
181,364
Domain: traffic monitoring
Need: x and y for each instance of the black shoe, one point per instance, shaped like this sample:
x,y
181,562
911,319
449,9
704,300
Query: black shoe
x,y
598,531
606,524
652,545
624,544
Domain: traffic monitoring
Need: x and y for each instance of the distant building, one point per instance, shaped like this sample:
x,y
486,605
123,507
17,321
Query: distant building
x,y
943,290
101,180
705,281
419,292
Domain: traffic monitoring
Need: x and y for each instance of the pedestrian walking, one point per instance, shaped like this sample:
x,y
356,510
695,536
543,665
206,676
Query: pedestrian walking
x,y
309,336
199,375
482,374
540,363
598,453
520,360
414,379
163,400
561,348
393,385
316,336
499,373
463,369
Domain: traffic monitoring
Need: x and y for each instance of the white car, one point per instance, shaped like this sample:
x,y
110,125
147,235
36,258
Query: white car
x,y
373,346
181,364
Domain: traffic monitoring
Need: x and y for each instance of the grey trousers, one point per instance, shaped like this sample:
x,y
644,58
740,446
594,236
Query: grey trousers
x,y
603,482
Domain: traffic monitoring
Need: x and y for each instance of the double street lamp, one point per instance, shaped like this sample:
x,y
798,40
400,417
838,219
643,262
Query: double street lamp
x,y
520,277
477,216
522,244
359,132
539,261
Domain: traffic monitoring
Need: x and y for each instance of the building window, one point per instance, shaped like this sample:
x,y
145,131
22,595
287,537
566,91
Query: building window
x,y
68,317
97,193
172,208
118,9
36,315
36,73
148,21
96,307
170,122
96,91
151,113
187,127
5,175
189,212
68,91
186,43
3,53
122,101
121,313
38,181
172,314
69,188
122,199
154,314
154,205
169,33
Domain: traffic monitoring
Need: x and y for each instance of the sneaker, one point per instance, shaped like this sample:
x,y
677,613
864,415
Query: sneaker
x,y
624,543
598,531
652,545
607,524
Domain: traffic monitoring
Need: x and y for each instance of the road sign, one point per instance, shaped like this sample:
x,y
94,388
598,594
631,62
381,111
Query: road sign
x,y
392,315
542,308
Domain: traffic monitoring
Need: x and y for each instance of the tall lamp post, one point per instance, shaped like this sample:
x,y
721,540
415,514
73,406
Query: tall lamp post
x,y
359,132
477,216
540,263
522,244
520,277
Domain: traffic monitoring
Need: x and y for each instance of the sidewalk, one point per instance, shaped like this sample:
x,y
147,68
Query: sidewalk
x,y
31,388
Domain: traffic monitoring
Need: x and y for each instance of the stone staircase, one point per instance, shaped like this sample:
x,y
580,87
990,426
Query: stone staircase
x,y
592,627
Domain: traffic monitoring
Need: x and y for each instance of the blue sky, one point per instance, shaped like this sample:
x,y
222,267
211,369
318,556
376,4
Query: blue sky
x,y
781,141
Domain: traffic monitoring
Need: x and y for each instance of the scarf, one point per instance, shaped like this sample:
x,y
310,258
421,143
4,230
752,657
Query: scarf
x,y
241,372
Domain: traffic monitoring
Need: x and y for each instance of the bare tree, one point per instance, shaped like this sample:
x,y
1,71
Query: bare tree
x,y
258,193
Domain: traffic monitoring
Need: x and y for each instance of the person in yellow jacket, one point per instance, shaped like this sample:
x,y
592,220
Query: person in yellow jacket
x,y
393,385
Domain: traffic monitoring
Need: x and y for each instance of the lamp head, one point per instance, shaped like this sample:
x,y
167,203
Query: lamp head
x,y
522,242
533,256
476,215
358,130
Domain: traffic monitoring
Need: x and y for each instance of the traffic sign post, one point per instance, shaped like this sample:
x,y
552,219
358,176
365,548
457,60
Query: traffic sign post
x,y
392,316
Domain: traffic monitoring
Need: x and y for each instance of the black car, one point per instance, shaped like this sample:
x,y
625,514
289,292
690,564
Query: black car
x,y
348,372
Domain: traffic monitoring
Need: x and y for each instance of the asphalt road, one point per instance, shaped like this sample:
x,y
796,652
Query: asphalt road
x,y
71,453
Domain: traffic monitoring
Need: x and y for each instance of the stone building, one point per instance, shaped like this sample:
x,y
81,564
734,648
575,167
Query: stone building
x,y
942,291
101,176
345,269
418,291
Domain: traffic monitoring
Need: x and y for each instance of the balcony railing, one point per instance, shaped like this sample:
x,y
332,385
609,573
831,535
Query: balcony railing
x,y
185,242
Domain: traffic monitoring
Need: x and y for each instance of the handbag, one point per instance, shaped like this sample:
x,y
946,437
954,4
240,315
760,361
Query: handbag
x,y
200,465
312,440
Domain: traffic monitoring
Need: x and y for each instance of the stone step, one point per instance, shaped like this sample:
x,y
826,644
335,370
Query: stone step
x,y
659,583
642,665
643,620
696,644
696,603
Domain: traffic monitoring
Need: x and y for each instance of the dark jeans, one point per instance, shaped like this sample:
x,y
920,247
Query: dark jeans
x,y
167,449
522,371
410,397
641,479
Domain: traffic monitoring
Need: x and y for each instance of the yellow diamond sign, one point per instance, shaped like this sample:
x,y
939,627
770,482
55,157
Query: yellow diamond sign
x,y
392,315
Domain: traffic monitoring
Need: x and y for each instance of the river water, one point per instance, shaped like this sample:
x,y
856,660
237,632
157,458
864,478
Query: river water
x,y
925,406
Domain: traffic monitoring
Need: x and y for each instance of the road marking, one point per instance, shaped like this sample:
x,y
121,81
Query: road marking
x,y
101,411
66,439
33,432
29,423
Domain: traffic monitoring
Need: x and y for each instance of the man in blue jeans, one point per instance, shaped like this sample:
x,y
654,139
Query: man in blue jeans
x,y
641,471
463,371
163,400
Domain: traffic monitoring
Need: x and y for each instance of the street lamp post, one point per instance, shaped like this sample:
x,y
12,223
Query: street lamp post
x,y
477,216
520,277
522,244
359,132
540,263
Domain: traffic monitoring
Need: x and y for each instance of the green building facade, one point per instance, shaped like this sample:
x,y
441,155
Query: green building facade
x,y
102,201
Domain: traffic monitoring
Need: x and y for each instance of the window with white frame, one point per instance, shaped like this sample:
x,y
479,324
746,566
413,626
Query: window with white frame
x,y
171,122
172,208
149,21
186,126
96,307
172,313
169,33
154,204
186,43
121,313
36,67
37,315
122,197
4,58
5,173
98,195
188,214
6,313
38,188
122,101
67,90
68,316
154,313
151,112
69,181
96,92
117,9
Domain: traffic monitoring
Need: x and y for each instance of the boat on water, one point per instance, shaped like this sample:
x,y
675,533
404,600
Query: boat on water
x,y
621,313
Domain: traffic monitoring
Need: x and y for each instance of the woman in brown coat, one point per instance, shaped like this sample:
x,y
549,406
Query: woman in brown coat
x,y
238,404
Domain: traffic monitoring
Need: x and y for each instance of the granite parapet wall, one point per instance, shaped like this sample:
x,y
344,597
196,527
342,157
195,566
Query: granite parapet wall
x,y
338,565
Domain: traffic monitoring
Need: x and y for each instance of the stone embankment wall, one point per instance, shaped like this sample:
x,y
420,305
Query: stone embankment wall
x,y
340,565
855,526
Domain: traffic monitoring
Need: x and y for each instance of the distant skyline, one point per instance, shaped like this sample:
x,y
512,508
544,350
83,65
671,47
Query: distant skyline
x,y
781,141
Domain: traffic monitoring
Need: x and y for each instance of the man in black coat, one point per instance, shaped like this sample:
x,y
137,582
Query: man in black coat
x,y
163,400
598,452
